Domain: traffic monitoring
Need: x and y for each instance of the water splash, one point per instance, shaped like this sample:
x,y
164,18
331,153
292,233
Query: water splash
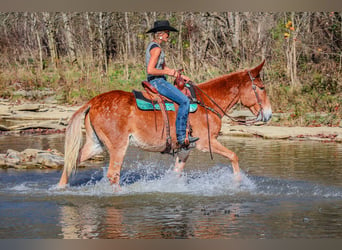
x,y
146,178
214,182
149,178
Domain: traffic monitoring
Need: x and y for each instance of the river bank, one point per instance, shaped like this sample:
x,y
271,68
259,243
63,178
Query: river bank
x,y
53,118
323,134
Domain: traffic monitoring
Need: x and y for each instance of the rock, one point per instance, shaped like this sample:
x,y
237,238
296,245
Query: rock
x,y
28,107
306,220
31,158
2,160
34,93
31,152
38,125
4,128
12,156
274,132
50,160
338,138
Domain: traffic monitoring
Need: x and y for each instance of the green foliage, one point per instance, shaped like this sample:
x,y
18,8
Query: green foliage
x,y
322,84
303,106
277,32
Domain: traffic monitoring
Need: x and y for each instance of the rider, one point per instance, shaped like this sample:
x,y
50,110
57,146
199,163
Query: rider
x,y
156,75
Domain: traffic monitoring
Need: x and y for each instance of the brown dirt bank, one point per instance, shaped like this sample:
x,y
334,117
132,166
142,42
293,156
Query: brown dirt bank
x,y
30,118
324,134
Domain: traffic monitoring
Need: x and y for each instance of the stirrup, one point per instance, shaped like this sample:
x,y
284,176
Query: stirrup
x,y
188,142
193,139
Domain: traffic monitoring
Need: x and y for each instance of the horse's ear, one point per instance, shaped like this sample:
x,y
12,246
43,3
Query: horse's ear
x,y
257,69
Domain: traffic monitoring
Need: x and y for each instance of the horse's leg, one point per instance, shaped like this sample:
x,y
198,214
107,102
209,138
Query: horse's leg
x,y
63,181
91,147
117,146
218,148
181,159
114,168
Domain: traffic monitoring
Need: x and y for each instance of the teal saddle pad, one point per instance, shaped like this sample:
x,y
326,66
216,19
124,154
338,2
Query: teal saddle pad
x,y
145,104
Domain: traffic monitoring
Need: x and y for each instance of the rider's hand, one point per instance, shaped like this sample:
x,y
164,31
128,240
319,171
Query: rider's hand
x,y
185,78
177,74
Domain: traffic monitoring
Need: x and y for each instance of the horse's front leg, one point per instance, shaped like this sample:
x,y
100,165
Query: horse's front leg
x,y
218,148
181,159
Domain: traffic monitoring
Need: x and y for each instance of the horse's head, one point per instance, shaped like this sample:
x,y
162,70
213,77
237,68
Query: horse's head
x,y
253,94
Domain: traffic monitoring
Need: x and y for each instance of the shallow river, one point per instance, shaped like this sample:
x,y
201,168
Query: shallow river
x,y
289,189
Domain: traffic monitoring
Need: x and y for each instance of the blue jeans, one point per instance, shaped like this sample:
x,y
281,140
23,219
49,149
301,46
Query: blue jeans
x,y
170,91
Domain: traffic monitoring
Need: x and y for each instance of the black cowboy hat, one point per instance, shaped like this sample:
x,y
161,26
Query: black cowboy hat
x,y
161,25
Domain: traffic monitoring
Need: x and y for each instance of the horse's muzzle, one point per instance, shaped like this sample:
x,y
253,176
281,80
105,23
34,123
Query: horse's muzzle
x,y
265,116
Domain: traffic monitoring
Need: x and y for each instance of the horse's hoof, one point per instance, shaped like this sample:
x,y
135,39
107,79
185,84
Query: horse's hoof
x,y
113,178
237,178
61,186
116,188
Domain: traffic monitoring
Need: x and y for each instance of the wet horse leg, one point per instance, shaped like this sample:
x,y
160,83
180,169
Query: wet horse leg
x,y
114,168
117,147
63,180
222,150
218,148
181,159
92,145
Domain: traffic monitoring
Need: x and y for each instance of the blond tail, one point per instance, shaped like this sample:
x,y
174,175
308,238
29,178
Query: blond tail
x,y
73,140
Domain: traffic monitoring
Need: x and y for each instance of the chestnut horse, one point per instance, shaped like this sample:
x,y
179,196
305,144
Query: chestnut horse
x,y
112,120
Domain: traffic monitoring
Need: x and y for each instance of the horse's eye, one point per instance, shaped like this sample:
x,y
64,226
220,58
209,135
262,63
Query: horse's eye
x,y
261,87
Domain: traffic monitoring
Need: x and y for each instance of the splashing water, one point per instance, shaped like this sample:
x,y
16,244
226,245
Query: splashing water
x,y
147,178
216,181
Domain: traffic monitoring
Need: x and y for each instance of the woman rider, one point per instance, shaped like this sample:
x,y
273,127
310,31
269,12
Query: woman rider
x,y
156,75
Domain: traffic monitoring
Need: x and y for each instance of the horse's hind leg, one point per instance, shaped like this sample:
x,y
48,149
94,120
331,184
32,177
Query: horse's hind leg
x,y
181,159
116,155
116,145
92,145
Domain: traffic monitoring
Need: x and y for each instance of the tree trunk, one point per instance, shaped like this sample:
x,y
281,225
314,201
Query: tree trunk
x,y
69,38
50,31
180,40
236,34
40,50
90,35
103,56
127,46
128,35
191,44
293,55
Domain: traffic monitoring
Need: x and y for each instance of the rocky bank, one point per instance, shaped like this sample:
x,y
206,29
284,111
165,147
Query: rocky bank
x,y
46,118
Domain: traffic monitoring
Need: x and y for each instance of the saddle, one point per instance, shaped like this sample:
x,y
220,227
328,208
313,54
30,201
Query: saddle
x,y
151,100
146,102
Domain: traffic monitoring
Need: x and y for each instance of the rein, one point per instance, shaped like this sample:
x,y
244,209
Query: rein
x,y
242,122
261,111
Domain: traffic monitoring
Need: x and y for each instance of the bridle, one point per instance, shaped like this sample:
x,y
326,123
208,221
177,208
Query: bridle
x,y
261,110
259,116
206,107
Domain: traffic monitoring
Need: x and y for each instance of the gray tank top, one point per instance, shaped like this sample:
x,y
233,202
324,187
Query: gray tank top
x,y
161,58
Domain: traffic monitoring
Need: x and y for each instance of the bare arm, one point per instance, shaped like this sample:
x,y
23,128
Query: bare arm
x,y
152,70
151,67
